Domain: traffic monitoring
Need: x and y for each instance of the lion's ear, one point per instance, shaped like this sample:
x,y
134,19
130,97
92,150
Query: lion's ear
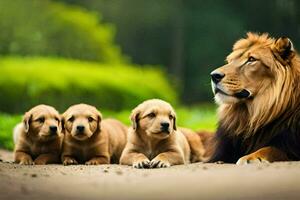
x,y
284,50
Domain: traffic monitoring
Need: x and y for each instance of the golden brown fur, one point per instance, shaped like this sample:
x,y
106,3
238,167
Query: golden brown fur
x,y
195,144
89,139
206,140
151,144
35,142
258,95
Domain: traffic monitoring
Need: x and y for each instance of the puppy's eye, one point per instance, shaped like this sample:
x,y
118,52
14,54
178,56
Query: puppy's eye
x,y
151,115
171,117
56,119
41,119
251,59
90,119
71,119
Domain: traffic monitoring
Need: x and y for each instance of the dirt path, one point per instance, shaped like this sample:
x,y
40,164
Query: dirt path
x,y
194,181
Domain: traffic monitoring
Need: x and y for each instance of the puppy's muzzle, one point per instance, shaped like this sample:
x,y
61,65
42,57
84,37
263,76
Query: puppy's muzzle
x,y
53,129
164,127
79,129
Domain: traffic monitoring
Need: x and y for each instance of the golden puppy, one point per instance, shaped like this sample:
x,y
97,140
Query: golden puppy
x,y
196,145
153,141
38,139
89,139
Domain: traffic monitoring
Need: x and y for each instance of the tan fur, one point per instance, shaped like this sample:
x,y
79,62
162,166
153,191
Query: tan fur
x,y
34,142
272,78
148,145
101,141
206,140
265,154
195,143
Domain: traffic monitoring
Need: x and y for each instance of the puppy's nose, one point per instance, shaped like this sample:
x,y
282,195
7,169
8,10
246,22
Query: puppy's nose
x,y
216,77
53,129
80,128
164,126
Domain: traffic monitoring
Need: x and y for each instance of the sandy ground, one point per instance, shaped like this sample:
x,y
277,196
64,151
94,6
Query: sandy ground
x,y
194,181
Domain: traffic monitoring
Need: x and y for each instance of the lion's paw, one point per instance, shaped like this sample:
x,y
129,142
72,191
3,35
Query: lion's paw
x,y
249,159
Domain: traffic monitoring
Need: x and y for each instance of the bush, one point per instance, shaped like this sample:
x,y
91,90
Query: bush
x,y
25,82
34,27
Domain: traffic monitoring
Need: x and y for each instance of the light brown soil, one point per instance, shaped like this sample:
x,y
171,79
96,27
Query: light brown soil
x,y
195,181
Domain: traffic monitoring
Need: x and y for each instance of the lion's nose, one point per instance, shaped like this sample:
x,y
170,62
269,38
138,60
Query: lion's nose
x,y
216,77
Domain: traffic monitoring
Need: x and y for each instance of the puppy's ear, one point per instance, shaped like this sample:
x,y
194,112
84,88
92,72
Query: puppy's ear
x,y
134,117
27,120
99,121
174,123
62,124
283,50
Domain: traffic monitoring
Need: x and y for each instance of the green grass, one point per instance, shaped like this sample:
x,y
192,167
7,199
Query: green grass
x,y
201,117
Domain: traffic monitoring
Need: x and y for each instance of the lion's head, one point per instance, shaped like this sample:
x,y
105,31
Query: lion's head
x,y
258,83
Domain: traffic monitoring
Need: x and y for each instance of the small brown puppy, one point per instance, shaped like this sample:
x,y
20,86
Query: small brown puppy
x,y
153,141
38,139
89,139
196,145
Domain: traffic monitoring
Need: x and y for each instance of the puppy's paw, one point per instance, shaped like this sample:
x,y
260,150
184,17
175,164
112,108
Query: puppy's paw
x,y
142,164
93,162
40,162
250,159
70,161
159,163
26,161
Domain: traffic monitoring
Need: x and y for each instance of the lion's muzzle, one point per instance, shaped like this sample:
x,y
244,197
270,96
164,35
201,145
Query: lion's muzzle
x,y
216,77
243,94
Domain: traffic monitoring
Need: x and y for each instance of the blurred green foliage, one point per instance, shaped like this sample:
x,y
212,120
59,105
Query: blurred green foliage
x,y
42,27
190,38
201,117
25,82
7,123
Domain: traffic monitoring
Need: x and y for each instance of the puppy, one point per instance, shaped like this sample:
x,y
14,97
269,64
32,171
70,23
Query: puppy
x,y
196,145
89,139
38,139
153,140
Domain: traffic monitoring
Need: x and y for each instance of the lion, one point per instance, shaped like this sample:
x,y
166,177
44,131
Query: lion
x,y
258,93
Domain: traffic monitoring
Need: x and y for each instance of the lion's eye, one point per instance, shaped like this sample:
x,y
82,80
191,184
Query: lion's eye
x,y
90,119
41,119
71,119
251,59
151,115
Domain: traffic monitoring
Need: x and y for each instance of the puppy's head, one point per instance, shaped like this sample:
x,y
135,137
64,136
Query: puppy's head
x,y
82,121
154,117
42,122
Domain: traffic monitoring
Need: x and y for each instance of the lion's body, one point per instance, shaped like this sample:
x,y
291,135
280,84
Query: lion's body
x,y
270,115
232,147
